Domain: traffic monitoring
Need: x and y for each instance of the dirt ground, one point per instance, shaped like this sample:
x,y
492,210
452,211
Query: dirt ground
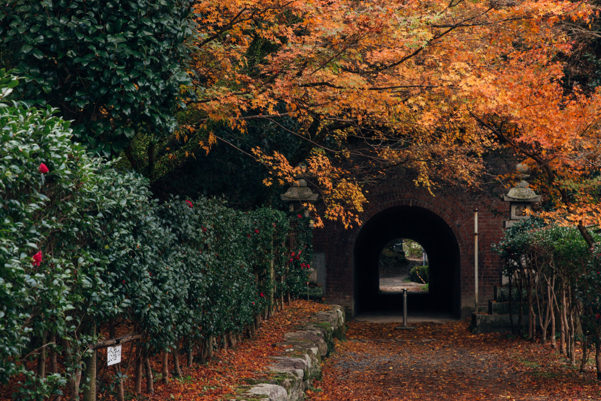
x,y
444,361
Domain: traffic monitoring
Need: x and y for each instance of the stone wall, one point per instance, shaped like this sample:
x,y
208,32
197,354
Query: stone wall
x,y
292,373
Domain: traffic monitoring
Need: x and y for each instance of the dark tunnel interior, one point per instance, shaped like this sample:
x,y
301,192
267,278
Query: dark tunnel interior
x,y
439,243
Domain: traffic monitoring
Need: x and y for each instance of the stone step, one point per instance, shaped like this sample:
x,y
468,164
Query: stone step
x,y
501,294
484,323
502,307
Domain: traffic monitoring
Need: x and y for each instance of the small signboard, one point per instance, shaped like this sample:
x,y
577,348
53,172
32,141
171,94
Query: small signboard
x,y
113,355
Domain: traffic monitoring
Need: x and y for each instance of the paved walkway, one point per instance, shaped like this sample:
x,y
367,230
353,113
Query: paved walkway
x,y
444,361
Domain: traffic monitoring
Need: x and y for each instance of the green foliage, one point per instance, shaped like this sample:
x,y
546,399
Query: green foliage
x,y
550,259
113,67
516,243
420,274
176,271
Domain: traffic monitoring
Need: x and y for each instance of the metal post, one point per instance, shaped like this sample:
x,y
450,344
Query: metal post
x,y
404,307
476,259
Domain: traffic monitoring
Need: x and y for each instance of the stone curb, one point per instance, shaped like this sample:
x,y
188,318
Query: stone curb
x,y
291,374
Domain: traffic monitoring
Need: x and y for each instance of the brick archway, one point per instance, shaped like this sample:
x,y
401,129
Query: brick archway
x,y
439,242
335,247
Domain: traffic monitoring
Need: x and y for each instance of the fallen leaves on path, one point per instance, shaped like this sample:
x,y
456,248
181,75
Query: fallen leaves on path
x,y
233,367
446,362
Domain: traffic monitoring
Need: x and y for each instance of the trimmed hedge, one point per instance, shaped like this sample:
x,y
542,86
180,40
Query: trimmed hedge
x,y
84,247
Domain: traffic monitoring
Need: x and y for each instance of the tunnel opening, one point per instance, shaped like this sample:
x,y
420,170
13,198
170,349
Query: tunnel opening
x,y
403,265
379,236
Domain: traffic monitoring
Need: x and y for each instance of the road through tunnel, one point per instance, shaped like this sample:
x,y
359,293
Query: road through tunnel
x,y
438,242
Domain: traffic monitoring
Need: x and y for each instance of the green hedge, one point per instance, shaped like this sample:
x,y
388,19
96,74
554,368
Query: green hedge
x,y
113,67
84,247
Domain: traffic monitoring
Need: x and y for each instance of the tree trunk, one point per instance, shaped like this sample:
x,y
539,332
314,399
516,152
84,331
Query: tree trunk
x,y
551,296
572,338
584,353
520,301
75,378
511,304
54,356
90,392
190,351
598,358
178,368
139,372
42,358
562,316
149,376
165,356
120,385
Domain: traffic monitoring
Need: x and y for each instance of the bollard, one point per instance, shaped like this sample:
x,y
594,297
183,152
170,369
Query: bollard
x,y
404,307
404,326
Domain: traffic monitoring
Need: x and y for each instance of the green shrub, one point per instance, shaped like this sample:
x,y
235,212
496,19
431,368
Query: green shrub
x,y
114,67
420,274
84,247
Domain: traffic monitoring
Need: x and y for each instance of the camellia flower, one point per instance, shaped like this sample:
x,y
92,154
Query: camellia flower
x,y
189,203
300,216
256,231
36,259
262,295
42,168
204,229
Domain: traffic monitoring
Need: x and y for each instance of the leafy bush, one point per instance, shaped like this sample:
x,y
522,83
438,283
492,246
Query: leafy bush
x,y
84,247
420,274
113,67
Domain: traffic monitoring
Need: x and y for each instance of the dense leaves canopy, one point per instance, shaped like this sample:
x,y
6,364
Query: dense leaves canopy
x,y
376,85
114,67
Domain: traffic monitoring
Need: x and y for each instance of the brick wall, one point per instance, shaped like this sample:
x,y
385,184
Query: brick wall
x,y
454,205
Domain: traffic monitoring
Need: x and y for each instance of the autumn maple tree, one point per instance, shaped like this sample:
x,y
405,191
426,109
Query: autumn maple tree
x,y
376,85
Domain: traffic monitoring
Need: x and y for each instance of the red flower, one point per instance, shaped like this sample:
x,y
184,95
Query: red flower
x,y
262,295
253,302
598,316
123,282
36,259
42,168
150,274
308,266
256,231
204,229
189,203
300,216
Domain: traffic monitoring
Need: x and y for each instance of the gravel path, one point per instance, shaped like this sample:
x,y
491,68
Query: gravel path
x,y
379,361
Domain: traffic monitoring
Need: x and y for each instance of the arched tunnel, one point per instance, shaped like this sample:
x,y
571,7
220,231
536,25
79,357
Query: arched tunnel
x,y
438,241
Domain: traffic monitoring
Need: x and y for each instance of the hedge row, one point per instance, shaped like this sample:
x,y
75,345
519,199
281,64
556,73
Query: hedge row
x,y
554,286
85,248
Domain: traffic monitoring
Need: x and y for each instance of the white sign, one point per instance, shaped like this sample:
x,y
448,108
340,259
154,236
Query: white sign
x,y
113,355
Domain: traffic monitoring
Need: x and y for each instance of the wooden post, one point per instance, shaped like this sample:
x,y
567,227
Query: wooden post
x,y
476,260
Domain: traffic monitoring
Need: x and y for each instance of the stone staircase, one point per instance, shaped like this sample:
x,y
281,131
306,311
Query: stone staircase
x,y
496,317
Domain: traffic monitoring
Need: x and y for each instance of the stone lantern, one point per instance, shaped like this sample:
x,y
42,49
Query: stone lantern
x,y
521,198
296,195
299,193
